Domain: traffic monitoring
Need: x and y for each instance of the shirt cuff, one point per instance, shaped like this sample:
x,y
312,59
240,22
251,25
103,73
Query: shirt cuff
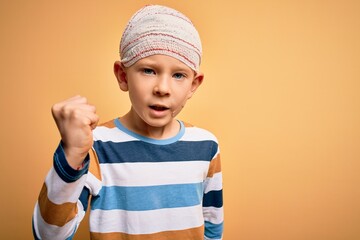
x,y
64,170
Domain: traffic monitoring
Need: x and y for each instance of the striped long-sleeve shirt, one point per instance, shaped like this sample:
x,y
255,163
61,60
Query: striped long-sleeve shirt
x,y
139,188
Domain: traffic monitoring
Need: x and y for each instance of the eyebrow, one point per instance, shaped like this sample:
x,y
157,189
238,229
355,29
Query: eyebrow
x,y
155,64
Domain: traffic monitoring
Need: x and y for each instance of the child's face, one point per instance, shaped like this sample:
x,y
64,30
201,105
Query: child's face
x,y
159,87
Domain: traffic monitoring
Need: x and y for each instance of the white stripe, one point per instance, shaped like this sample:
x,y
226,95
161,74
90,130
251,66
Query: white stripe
x,y
206,238
59,191
213,214
214,183
93,184
106,134
149,174
53,232
198,134
145,222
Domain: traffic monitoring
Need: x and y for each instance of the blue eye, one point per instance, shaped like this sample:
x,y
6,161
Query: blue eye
x,y
178,75
148,71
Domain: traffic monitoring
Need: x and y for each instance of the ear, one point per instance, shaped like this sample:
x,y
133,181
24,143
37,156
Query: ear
x,y
120,74
198,79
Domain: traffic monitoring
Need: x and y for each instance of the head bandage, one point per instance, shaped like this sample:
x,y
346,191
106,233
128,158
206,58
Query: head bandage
x,y
157,29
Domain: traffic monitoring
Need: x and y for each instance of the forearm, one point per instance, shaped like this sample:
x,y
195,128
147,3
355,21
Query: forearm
x,y
58,210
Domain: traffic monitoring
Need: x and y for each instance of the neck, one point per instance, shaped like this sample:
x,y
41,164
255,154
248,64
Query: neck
x,y
134,123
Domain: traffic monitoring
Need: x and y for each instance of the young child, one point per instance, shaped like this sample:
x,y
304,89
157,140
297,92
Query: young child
x,y
145,175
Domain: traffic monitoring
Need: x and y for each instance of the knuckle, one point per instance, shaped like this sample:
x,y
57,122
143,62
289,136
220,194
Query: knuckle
x,y
75,113
93,108
67,110
55,108
83,99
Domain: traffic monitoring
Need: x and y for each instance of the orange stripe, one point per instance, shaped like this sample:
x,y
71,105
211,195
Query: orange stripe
x,y
188,234
109,124
94,167
55,214
187,124
215,166
94,162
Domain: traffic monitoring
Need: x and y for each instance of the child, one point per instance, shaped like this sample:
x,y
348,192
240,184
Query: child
x,y
147,175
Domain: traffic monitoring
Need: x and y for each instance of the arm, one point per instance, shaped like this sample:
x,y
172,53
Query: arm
x,y
62,201
213,201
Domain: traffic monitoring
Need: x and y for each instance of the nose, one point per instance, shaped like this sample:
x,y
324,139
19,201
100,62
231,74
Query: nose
x,y
162,86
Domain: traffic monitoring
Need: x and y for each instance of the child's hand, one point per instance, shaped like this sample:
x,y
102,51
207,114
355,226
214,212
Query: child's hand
x,y
75,119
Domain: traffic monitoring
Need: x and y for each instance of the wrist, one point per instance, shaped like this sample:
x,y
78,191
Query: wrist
x,y
74,156
75,160
67,172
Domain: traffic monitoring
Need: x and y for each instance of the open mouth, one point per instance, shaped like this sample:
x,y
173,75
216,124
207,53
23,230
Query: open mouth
x,y
159,107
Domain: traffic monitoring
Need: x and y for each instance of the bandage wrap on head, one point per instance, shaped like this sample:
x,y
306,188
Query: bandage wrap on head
x,y
158,29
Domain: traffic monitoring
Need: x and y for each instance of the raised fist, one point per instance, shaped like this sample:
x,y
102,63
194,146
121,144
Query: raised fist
x,y
75,119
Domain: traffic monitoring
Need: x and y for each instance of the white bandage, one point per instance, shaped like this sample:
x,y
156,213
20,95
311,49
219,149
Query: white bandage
x,y
158,29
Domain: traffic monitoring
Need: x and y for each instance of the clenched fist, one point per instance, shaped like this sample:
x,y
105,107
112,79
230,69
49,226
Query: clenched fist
x,y
75,119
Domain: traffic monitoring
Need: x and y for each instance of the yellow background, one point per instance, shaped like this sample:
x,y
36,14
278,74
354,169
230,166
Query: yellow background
x,y
281,92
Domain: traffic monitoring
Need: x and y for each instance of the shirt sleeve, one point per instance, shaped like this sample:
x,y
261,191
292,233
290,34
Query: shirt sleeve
x,y
213,201
62,201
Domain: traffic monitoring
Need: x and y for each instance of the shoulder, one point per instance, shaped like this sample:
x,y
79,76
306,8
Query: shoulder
x,y
105,128
194,133
107,124
108,131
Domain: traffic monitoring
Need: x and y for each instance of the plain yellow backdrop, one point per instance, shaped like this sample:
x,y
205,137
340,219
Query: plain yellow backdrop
x,y
281,92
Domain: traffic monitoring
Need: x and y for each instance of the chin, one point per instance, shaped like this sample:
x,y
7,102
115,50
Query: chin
x,y
159,123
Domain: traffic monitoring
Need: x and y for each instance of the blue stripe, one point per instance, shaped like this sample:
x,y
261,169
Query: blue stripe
x,y
64,170
148,198
138,151
213,199
84,198
214,231
151,140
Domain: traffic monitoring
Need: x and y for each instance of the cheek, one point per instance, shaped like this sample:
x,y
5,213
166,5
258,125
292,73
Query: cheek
x,y
189,93
183,99
135,96
136,89
139,94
